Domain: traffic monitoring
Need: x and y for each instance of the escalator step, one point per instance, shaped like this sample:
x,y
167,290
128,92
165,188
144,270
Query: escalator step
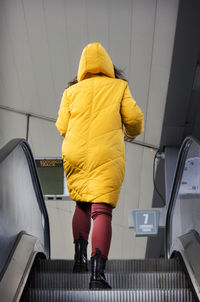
x,y
182,295
150,265
117,281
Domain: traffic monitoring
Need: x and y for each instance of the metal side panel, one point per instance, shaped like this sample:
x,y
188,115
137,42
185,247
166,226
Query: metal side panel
x,y
22,207
17,271
188,246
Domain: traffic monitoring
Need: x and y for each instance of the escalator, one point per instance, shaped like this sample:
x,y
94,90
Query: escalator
x,y
28,274
131,280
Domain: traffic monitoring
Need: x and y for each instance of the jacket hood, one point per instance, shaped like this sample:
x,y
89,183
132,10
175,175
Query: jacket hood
x,y
95,59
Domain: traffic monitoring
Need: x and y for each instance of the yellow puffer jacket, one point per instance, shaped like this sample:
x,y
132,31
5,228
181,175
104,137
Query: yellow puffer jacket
x,y
91,118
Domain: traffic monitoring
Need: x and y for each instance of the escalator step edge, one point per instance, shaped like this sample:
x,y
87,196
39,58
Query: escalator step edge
x,y
117,281
182,295
147,265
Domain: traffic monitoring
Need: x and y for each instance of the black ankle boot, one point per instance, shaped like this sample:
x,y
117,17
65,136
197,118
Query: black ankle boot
x,y
80,265
98,280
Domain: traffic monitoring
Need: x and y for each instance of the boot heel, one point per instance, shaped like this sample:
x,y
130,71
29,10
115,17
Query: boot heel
x,y
80,268
98,280
99,285
80,264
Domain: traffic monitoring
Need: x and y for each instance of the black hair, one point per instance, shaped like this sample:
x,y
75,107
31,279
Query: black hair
x,y
72,82
119,74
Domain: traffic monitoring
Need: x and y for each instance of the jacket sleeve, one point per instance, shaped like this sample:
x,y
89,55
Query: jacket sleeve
x,y
63,115
132,116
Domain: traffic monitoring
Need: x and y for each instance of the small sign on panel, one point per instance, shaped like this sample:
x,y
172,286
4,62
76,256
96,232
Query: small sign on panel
x,y
145,222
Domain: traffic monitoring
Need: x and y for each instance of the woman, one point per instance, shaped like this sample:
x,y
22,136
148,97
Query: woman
x,y
93,111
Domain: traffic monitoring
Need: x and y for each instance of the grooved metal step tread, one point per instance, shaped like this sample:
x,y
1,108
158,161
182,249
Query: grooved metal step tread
x,y
180,295
116,280
131,265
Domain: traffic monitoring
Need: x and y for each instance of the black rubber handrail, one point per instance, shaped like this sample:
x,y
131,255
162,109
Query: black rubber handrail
x,y
4,152
182,156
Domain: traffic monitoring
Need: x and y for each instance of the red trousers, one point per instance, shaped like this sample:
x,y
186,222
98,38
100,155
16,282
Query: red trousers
x,y
101,213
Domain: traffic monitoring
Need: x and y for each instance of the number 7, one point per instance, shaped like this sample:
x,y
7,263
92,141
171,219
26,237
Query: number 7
x,y
146,216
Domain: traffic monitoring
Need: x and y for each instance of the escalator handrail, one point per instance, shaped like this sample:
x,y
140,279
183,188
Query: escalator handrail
x,y
9,147
182,156
4,153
